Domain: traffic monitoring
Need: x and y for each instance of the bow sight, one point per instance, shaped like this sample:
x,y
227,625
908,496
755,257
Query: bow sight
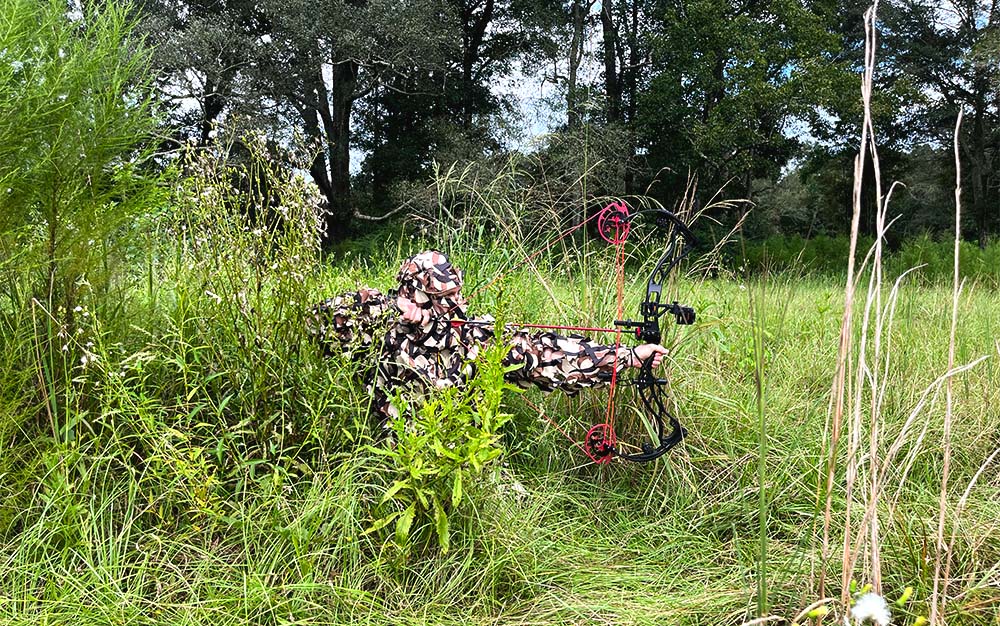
x,y
649,330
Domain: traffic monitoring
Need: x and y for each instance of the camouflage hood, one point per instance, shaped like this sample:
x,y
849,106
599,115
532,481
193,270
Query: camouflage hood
x,y
432,282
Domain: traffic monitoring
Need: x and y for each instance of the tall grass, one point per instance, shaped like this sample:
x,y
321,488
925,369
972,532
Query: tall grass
x,y
867,366
181,537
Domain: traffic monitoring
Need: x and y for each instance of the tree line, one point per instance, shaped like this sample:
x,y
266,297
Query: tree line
x,y
759,98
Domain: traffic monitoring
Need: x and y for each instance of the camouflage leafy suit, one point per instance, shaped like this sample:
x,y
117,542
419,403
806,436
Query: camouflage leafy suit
x,y
423,350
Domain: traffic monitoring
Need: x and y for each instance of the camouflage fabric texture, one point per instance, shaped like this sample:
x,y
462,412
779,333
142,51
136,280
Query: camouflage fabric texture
x,y
417,357
350,322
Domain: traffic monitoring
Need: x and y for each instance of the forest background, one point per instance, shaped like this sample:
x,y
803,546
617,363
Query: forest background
x,y
758,98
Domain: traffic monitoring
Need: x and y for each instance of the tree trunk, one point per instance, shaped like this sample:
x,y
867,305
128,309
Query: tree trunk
x,y
318,168
575,58
473,31
213,106
337,122
380,165
314,118
612,86
979,205
631,82
714,96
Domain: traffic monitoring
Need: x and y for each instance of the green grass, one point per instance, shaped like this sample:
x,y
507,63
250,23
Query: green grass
x,y
173,449
164,503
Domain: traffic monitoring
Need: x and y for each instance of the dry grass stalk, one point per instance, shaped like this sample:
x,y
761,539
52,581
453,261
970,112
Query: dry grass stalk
x,y
940,593
874,301
839,391
862,375
865,370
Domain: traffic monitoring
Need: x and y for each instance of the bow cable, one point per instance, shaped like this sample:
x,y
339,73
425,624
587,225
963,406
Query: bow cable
x,y
610,440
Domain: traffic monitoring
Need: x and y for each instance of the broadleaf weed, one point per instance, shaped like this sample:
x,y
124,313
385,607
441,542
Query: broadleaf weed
x,y
437,449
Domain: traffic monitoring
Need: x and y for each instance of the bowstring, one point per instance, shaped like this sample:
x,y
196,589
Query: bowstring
x,y
610,411
520,264
620,297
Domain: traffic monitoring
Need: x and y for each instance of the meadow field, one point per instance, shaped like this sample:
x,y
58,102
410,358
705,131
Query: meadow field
x,y
175,448
186,456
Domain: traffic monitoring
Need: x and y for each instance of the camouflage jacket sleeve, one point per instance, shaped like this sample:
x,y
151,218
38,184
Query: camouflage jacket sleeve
x,y
550,361
350,323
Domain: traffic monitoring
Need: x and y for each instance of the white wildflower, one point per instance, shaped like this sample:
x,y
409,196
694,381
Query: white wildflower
x,y
17,66
871,607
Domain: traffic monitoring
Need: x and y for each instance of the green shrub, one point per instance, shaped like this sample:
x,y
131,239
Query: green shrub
x,y
234,365
75,112
437,450
75,115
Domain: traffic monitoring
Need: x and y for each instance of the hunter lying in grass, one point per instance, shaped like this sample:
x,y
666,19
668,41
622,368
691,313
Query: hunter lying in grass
x,y
427,340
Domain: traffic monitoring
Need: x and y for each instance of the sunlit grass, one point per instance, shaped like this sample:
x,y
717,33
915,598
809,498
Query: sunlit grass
x,y
184,455
104,538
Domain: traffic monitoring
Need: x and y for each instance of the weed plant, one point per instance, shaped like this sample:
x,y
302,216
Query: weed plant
x,y
208,466
219,471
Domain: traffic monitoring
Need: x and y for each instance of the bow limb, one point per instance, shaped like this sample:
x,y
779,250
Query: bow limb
x,y
680,243
650,389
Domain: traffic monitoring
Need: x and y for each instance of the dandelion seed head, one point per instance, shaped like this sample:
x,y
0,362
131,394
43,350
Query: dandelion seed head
x,y
871,608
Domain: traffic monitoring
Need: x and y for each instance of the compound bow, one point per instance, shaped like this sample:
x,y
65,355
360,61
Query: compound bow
x,y
614,223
